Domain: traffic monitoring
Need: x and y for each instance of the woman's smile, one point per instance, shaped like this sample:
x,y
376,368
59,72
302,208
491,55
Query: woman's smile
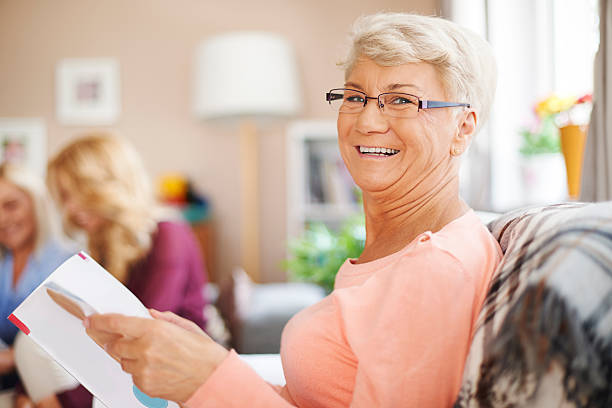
x,y
376,152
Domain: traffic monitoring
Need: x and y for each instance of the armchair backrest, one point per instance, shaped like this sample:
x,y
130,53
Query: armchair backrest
x,y
545,330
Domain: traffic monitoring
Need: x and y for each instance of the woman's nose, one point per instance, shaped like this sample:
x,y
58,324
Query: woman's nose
x,y
371,119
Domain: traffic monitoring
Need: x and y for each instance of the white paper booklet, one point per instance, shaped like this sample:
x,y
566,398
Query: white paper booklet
x,y
52,317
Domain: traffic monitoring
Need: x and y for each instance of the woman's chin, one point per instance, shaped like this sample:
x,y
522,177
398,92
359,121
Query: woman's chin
x,y
375,184
17,242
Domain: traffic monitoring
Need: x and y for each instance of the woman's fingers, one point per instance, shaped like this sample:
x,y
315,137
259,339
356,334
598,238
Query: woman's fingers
x,y
177,320
108,329
167,316
129,366
125,348
111,323
102,338
166,356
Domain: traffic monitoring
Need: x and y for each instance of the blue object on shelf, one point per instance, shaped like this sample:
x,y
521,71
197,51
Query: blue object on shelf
x,y
195,213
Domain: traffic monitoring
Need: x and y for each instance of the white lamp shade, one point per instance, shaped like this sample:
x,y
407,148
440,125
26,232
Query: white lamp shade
x,y
246,74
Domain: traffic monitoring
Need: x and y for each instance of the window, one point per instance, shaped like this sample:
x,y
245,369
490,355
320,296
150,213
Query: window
x,y
542,47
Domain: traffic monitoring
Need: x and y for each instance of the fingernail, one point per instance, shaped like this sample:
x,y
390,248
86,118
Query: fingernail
x,y
86,322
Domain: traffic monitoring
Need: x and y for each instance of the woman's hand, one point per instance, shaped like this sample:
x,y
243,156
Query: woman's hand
x,y
7,360
178,320
166,359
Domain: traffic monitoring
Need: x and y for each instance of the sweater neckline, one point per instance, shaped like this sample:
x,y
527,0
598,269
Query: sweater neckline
x,y
376,264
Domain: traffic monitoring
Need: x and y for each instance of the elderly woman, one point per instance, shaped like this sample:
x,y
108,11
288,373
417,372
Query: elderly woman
x,y
396,330
30,249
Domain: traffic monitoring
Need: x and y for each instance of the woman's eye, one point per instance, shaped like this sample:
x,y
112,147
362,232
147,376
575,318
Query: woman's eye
x,y
398,100
355,98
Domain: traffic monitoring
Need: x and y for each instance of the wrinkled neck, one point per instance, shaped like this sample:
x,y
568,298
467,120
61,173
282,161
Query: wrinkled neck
x,y
394,217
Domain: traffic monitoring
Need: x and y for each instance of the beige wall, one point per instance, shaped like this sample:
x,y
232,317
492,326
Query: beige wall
x,y
154,41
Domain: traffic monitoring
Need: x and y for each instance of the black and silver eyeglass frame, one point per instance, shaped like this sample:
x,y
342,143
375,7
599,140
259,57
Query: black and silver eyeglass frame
x,y
332,95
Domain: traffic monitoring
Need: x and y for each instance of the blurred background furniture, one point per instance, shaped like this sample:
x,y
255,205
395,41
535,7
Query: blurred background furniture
x,y
257,313
319,187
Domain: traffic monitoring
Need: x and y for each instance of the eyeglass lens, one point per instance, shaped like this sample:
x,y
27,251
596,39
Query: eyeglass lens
x,y
392,104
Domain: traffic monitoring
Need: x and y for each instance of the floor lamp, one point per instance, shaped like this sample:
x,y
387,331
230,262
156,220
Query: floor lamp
x,y
246,78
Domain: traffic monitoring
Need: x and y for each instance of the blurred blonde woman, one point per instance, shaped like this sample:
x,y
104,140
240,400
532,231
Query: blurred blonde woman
x,y
30,249
100,185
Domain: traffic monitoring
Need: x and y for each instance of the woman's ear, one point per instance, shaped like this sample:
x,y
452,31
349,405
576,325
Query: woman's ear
x,y
465,132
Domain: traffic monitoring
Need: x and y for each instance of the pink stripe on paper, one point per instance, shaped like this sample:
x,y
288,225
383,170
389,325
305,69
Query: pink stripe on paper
x,y
19,324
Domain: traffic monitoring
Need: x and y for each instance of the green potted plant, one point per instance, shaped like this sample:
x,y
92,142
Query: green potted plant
x,y
317,255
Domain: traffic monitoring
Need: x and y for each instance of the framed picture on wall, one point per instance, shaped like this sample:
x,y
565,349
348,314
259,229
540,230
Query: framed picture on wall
x,y
88,91
23,141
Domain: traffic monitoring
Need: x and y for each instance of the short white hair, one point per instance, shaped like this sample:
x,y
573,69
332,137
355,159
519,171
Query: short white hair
x,y
47,224
463,59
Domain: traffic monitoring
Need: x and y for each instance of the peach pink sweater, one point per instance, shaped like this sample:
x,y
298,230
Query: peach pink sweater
x,y
395,332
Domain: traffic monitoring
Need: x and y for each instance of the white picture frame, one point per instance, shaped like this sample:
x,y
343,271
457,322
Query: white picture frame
x,y
88,91
23,141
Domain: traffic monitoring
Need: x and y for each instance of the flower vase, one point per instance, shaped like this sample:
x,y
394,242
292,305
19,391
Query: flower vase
x,y
543,178
573,138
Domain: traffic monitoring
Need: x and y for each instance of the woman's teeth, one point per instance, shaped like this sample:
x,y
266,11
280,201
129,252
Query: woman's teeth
x,y
377,151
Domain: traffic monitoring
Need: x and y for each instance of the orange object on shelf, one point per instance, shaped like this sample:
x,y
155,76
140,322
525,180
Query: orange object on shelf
x,y
172,188
573,138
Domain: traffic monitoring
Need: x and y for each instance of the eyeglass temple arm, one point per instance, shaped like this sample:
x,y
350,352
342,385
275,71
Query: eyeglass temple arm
x,y
332,96
425,104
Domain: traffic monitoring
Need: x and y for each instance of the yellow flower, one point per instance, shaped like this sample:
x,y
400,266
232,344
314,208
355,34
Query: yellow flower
x,y
554,104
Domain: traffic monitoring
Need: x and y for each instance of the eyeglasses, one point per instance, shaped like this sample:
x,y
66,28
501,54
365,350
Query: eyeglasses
x,y
394,104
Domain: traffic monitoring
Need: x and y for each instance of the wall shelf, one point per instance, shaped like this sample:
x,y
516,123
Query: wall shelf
x,y
319,187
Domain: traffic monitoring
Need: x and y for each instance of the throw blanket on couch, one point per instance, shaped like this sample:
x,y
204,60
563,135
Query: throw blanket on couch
x,y
544,336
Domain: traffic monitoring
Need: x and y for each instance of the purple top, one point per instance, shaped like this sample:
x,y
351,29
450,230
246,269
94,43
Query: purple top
x,y
171,277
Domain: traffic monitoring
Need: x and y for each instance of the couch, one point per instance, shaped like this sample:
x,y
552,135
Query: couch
x,y
544,334
256,314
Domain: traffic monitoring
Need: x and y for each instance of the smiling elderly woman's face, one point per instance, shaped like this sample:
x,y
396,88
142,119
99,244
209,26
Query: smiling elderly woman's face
x,y
423,142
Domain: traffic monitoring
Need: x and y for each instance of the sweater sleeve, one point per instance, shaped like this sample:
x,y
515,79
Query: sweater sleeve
x,y
172,277
235,384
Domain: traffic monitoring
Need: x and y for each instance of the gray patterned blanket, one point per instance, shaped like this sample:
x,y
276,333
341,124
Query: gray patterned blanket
x,y
544,336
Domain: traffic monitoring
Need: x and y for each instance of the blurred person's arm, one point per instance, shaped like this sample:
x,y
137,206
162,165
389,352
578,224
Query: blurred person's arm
x,y
172,276
7,360
23,401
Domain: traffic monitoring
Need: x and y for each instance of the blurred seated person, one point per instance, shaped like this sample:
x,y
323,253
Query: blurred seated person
x,y
30,249
100,184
